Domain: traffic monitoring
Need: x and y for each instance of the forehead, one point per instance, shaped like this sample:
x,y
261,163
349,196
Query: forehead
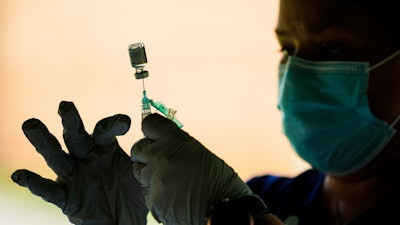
x,y
314,15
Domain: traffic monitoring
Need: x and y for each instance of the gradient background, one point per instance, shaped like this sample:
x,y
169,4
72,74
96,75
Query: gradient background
x,y
214,61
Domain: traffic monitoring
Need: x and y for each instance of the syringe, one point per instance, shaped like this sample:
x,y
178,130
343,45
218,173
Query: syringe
x,y
138,57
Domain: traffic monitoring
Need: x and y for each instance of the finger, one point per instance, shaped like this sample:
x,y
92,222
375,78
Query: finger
x,y
45,188
106,130
48,146
149,152
140,173
138,151
155,126
77,140
138,157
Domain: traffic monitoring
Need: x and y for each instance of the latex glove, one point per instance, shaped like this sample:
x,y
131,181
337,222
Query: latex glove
x,y
182,178
95,184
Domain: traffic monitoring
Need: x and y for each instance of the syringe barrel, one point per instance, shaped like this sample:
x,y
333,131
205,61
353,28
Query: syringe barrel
x,y
146,110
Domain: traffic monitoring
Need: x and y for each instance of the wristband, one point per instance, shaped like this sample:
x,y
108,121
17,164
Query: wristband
x,y
241,211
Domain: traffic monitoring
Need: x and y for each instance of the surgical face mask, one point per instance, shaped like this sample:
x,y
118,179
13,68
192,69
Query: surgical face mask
x,y
326,115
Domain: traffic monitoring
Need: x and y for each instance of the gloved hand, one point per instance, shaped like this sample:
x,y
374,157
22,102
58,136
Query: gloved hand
x,y
182,178
95,184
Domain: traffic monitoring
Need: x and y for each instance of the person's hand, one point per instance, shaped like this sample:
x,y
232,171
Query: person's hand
x,y
95,184
182,178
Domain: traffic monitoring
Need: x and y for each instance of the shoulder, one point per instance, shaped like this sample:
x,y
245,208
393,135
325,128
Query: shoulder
x,y
272,184
286,194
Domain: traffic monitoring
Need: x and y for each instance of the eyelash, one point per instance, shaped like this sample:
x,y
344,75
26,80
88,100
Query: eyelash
x,y
287,51
285,55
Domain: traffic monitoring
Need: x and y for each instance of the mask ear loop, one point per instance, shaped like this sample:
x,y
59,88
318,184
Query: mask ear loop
x,y
395,121
384,60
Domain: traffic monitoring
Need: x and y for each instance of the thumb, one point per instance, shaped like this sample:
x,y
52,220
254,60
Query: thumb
x,y
155,126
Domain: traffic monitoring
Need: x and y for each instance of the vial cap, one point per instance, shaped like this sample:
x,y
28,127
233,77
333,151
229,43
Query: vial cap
x,y
142,75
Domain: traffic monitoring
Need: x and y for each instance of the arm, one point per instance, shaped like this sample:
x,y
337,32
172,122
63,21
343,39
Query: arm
x,y
268,219
247,210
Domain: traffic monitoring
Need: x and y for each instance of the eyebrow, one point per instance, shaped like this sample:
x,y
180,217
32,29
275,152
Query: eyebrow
x,y
313,30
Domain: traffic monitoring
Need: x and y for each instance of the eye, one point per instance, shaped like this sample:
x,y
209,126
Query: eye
x,y
330,50
333,51
286,52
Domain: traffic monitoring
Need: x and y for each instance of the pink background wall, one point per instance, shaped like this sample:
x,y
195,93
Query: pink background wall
x,y
214,61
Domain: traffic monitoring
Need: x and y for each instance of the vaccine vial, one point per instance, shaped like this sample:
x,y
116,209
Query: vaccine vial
x,y
138,57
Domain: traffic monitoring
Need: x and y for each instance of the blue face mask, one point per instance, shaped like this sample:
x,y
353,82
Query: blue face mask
x,y
326,115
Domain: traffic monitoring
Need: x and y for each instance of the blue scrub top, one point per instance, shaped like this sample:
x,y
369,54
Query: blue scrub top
x,y
295,200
